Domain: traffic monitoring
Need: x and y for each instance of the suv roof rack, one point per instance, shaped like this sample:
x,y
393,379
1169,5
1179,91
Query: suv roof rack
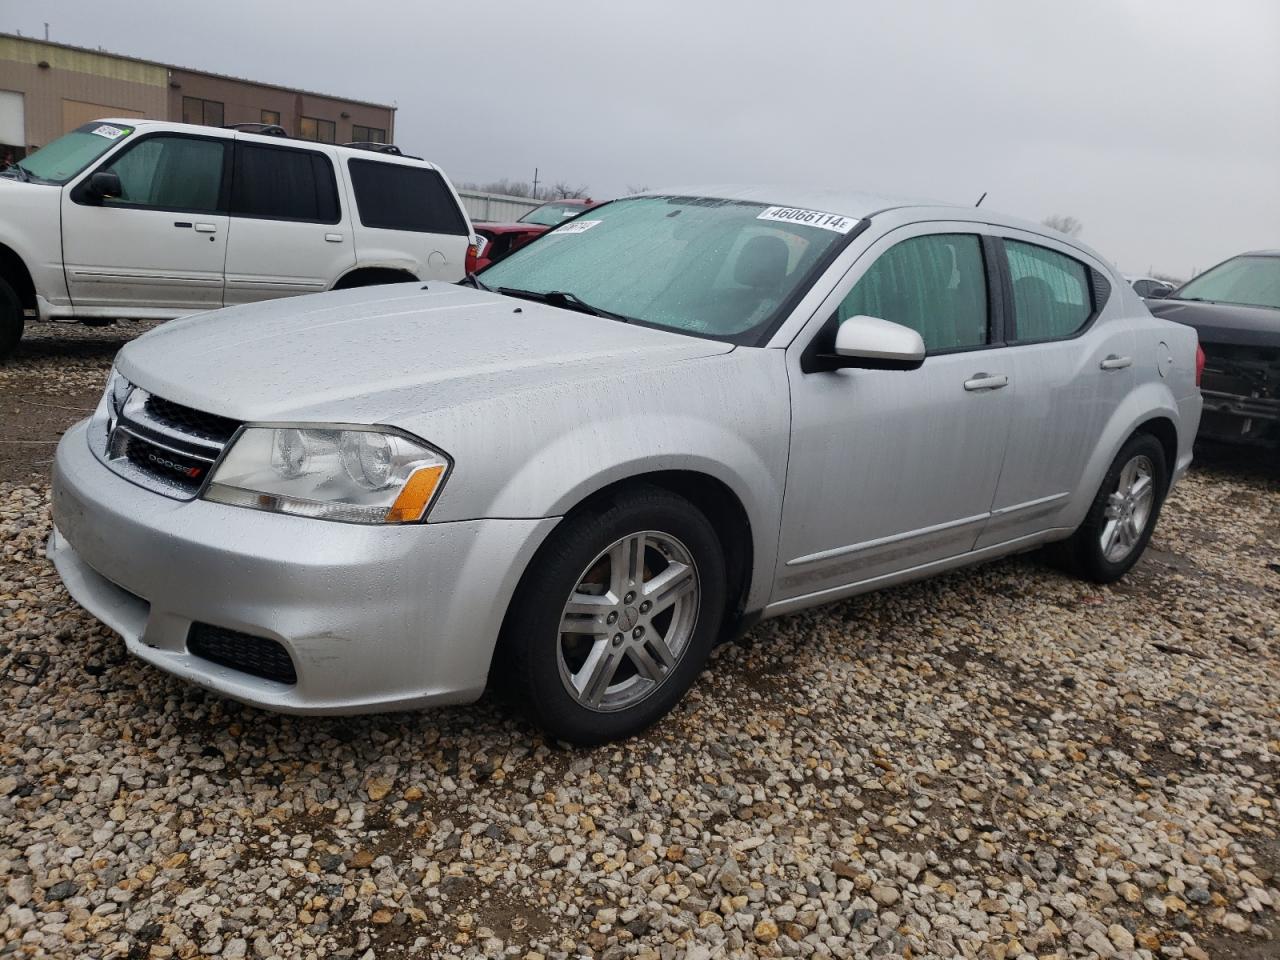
x,y
390,148
262,129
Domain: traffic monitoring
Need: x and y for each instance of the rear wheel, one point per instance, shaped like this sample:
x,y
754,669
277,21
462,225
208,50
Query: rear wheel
x,y
1119,524
12,320
617,616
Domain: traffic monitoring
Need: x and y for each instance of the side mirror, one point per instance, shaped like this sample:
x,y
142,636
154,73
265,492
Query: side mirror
x,y
1159,293
105,184
877,344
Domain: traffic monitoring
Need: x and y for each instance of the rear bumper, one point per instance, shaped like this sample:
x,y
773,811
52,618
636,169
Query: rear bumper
x,y
1229,416
373,618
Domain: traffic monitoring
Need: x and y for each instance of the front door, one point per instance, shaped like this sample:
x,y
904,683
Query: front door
x,y
159,248
891,470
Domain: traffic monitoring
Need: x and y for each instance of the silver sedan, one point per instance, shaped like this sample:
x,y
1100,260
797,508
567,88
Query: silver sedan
x,y
666,419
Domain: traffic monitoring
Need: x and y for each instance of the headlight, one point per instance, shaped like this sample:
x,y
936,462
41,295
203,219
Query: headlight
x,y
360,474
114,395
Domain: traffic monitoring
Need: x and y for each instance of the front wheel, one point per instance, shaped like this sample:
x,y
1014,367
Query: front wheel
x,y
1120,522
616,617
11,321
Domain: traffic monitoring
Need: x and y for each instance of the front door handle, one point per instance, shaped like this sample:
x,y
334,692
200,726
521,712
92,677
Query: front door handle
x,y
333,238
206,228
1115,363
986,381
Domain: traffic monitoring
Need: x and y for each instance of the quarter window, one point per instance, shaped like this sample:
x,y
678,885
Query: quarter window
x,y
170,173
936,285
205,112
312,128
282,184
400,197
1051,296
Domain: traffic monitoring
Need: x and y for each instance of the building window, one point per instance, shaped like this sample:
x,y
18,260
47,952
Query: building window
x,y
368,134
206,112
271,116
323,131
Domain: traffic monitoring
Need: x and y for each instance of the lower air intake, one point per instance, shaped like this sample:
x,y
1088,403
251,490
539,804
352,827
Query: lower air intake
x,y
240,651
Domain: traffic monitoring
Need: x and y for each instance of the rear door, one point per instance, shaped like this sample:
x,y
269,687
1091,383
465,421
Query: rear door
x,y
407,213
290,232
1074,366
158,249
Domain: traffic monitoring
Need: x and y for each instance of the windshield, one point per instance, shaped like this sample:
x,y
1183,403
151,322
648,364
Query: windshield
x,y
549,214
65,157
723,269
1252,281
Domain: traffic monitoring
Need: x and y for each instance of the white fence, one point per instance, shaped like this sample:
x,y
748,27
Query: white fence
x,y
495,206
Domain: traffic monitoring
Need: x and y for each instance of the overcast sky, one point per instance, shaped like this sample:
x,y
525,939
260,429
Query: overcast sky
x,y
1154,122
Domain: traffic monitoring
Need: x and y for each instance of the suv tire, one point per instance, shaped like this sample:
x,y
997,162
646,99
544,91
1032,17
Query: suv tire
x,y
12,320
640,578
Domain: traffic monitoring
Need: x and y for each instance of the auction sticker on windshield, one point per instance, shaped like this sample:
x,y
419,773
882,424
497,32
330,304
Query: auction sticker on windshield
x,y
578,226
811,218
110,132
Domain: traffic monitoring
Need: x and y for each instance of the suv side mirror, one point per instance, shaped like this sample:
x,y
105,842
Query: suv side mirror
x,y
104,184
1159,293
877,344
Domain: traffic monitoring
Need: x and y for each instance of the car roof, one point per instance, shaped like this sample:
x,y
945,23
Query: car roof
x,y
232,133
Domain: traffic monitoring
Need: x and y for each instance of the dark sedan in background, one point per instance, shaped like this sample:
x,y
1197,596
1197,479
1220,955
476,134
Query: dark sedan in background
x,y
1235,307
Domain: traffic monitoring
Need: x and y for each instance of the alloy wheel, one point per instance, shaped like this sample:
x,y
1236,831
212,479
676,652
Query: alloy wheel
x,y
1128,509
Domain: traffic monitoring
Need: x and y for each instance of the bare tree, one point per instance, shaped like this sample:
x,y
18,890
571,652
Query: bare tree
x,y
520,188
1063,224
563,191
637,188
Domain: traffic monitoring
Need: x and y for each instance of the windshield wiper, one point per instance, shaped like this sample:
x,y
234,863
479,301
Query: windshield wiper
x,y
20,172
565,299
474,281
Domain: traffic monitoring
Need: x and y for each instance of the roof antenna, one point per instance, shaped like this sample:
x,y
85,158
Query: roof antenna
x,y
981,198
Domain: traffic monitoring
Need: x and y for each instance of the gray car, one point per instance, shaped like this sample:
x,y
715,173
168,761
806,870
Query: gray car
x,y
664,420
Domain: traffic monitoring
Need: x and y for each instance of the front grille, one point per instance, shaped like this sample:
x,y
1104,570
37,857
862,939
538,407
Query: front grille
x,y
205,426
257,656
165,446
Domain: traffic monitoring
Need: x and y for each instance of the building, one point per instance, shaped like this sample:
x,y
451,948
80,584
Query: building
x,y
47,89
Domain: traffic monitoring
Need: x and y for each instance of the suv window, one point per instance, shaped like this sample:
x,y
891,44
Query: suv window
x,y
1051,296
170,173
398,197
278,183
936,285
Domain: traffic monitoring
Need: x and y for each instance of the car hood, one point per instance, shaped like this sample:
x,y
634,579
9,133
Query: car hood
x,y
374,354
1225,323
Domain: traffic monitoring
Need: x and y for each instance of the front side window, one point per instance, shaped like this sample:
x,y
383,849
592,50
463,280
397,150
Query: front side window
x,y
320,131
1051,296
550,214
65,157
1248,280
399,197
207,113
723,269
170,173
282,184
936,285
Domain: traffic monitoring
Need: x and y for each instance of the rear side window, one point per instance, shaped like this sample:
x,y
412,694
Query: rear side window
x,y
283,184
1051,297
396,197
170,173
936,285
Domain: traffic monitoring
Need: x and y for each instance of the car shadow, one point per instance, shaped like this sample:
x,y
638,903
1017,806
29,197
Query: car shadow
x,y
1240,461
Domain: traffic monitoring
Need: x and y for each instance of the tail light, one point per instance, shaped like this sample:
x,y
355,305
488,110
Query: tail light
x,y
473,257
1199,363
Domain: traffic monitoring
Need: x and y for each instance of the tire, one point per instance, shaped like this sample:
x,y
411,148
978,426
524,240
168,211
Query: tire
x,y
12,321
1084,552
620,630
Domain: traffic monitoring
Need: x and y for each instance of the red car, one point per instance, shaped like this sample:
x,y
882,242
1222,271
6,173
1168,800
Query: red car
x,y
497,240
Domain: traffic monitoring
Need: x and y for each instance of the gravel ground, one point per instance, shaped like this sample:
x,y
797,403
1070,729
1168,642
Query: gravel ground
x,y
1000,763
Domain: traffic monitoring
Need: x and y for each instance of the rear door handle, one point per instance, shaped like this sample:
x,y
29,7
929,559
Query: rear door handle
x,y
333,238
206,228
986,381
1115,363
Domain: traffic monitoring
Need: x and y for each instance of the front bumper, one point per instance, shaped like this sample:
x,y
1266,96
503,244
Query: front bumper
x,y
374,618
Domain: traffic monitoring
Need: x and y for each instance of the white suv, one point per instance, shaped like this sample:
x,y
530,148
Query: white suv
x,y
148,219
